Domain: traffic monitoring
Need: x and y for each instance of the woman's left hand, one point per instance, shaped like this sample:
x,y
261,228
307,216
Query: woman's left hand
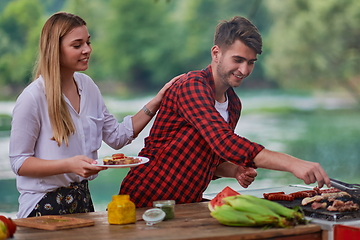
x,y
162,91
140,120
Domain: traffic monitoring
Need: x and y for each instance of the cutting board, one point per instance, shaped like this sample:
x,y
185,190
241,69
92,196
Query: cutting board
x,y
53,222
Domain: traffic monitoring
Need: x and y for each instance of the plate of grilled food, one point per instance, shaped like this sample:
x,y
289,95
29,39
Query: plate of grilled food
x,y
119,160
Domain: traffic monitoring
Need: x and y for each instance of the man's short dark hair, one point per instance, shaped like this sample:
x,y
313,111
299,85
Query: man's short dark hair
x,y
238,28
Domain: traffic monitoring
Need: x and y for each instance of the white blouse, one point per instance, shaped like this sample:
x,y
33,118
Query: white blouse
x,y
31,136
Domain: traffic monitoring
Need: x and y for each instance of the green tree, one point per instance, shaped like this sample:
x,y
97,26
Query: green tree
x,y
130,40
147,43
142,44
18,23
315,44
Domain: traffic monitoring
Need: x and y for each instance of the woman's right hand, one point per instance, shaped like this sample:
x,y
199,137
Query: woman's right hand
x,y
83,166
80,165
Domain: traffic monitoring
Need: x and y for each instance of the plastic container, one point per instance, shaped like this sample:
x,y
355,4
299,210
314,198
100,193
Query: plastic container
x,y
168,206
153,216
121,210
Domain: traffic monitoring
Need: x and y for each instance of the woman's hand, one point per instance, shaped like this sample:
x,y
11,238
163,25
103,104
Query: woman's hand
x,y
84,166
141,119
162,91
80,165
154,104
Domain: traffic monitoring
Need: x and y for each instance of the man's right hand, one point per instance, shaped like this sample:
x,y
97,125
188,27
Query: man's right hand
x,y
309,172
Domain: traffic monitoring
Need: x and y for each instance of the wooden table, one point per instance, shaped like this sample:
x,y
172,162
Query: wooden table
x,y
192,221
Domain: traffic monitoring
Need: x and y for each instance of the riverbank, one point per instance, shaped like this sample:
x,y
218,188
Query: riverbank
x,y
316,128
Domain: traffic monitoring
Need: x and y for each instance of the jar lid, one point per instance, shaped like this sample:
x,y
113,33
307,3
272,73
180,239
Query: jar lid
x,y
153,216
162,203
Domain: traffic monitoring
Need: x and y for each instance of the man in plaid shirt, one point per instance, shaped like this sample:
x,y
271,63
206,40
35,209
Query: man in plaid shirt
x,y
192,140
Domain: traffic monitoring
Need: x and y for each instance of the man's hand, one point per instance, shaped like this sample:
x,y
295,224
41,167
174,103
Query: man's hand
x,y
309,172
245,176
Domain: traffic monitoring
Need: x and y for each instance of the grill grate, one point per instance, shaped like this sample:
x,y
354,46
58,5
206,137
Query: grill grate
x,y
323,213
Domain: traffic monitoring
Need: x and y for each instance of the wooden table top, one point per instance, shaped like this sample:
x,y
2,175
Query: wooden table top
x,y
192,221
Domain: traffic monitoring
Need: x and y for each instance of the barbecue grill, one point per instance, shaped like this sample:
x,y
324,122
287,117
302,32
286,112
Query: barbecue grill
x,y
322,217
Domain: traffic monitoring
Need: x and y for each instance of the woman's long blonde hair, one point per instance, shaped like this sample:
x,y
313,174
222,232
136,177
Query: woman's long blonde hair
x,y
48,66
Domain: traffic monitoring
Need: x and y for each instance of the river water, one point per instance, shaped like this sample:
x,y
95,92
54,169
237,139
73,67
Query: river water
x,y
266,127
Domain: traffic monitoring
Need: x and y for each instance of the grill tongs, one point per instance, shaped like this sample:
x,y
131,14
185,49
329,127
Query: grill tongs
x,y
352,189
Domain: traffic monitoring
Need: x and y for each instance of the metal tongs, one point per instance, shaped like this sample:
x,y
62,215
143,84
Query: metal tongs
x,y
352,189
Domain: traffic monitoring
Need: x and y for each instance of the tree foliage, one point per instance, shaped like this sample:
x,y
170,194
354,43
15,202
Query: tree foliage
x,y
143,44
18,47
315,44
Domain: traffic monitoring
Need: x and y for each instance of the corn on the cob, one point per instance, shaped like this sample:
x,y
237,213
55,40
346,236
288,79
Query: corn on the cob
x,y
247,210
242,204
227,215
275,207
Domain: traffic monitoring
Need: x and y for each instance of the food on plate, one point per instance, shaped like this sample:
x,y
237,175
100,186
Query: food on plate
x,y
120,159
217,200
250,211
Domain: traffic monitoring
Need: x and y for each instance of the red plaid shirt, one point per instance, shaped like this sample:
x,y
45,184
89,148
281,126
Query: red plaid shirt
x,y
187,142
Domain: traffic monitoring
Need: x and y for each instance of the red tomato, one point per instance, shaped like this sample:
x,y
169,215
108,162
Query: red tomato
x,y
11,226
118,156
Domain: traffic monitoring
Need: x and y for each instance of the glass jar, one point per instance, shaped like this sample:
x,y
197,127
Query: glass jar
x,y
168,206
121,210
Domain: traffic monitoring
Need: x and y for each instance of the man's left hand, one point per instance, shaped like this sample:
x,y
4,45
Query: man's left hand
x,y
245,176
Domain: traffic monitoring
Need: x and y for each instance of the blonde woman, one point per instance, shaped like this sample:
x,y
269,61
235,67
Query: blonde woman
x,y
59,122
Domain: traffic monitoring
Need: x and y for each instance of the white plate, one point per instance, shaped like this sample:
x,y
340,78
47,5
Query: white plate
x,y
100,163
